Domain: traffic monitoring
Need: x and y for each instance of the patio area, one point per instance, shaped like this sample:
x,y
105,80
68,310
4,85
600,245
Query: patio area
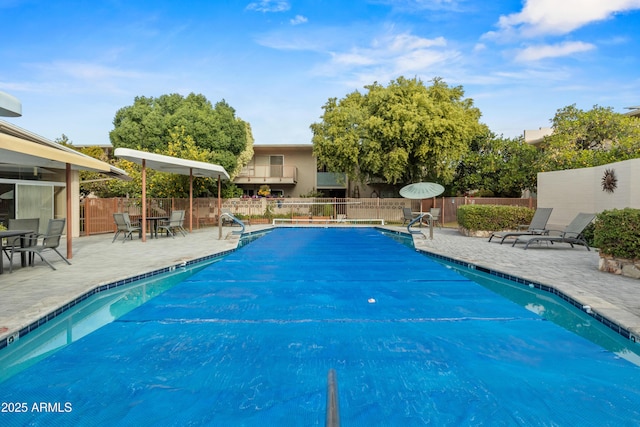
x,y
28,293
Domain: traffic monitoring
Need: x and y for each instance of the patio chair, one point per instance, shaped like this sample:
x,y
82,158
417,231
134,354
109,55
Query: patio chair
x,y
123,225
180,227
50,241
572,234
173,223
536,227
435,217
407,215
32,224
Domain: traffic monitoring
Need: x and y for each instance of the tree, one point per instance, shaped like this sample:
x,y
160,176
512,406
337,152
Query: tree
x,y
146,125
92,182
405,132
500,166
189,127
590,138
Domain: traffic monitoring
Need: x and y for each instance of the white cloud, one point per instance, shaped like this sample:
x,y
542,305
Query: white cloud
x,y
388,57
85,77
479,47
269,6
407,42
89,71
535,53
352,59
541,17
299,19
418,5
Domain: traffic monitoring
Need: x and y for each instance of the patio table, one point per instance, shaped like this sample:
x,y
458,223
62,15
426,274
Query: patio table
x,y
14,233
154,221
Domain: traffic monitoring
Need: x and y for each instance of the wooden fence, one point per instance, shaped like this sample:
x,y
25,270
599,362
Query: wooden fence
x,y
96,215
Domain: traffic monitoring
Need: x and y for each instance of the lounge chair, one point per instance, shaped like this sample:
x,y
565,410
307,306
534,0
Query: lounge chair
x,y
123,225
536,227
572,234
50,241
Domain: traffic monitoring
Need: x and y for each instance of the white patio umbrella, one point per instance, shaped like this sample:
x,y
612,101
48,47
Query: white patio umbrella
x,y
421,191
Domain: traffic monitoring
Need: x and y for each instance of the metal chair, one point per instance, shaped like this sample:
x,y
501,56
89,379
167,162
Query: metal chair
x,y
32,224
435,217
173,223
50,241
407,215
123,225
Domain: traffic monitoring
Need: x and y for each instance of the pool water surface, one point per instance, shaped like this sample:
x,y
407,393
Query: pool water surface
x,y
248,341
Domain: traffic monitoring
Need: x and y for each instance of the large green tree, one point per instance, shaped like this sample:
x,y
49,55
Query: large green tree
x,y
402,133
503,167
590,138
207,133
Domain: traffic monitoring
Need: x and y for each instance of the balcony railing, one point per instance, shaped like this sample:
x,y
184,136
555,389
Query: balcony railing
x,y
332,180
274,174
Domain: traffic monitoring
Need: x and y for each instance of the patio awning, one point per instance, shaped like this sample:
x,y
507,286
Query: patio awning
x,y
10,106
18,151
170,164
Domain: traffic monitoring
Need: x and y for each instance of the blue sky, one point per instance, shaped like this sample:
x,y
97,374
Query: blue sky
x,y
73,64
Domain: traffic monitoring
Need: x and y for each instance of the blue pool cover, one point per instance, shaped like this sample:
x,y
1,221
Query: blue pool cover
x,y
249,341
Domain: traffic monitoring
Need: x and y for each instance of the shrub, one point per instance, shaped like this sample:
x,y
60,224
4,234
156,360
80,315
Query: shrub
x,y
617,233
588,234
493,217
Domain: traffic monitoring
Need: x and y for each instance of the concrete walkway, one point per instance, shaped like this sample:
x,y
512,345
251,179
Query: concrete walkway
x,y
30,293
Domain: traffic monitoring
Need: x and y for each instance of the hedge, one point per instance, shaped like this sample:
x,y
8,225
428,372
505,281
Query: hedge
x,y
493,217
617,233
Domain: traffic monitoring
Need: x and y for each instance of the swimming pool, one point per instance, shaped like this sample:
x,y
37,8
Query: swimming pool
x,y
88,315
250,339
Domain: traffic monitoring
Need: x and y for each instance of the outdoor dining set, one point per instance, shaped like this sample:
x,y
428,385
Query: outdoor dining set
x,y
128,225
22,237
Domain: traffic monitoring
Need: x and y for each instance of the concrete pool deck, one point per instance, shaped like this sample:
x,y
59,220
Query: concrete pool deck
x,y
30,293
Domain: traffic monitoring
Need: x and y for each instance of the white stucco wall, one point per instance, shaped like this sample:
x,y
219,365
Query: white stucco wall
x,y
573,191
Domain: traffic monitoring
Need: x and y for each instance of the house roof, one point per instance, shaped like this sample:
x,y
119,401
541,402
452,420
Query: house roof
x,y
21,147
634,111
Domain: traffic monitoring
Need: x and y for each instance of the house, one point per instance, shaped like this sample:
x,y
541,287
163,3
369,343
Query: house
x,y
633,111
536,136
290,170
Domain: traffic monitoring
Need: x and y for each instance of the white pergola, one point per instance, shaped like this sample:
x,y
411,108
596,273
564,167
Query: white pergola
x,y
175,165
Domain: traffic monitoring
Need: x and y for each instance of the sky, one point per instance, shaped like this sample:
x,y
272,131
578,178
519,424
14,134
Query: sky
x,y
74,64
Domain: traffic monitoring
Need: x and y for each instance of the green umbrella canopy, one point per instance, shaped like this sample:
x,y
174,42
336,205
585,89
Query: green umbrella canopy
x,y
421,190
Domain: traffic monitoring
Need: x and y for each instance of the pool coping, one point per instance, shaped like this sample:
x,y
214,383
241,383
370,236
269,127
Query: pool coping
x,y
585,308
10,336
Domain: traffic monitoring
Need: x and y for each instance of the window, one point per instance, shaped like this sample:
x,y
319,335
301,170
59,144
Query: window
x,y
276,164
